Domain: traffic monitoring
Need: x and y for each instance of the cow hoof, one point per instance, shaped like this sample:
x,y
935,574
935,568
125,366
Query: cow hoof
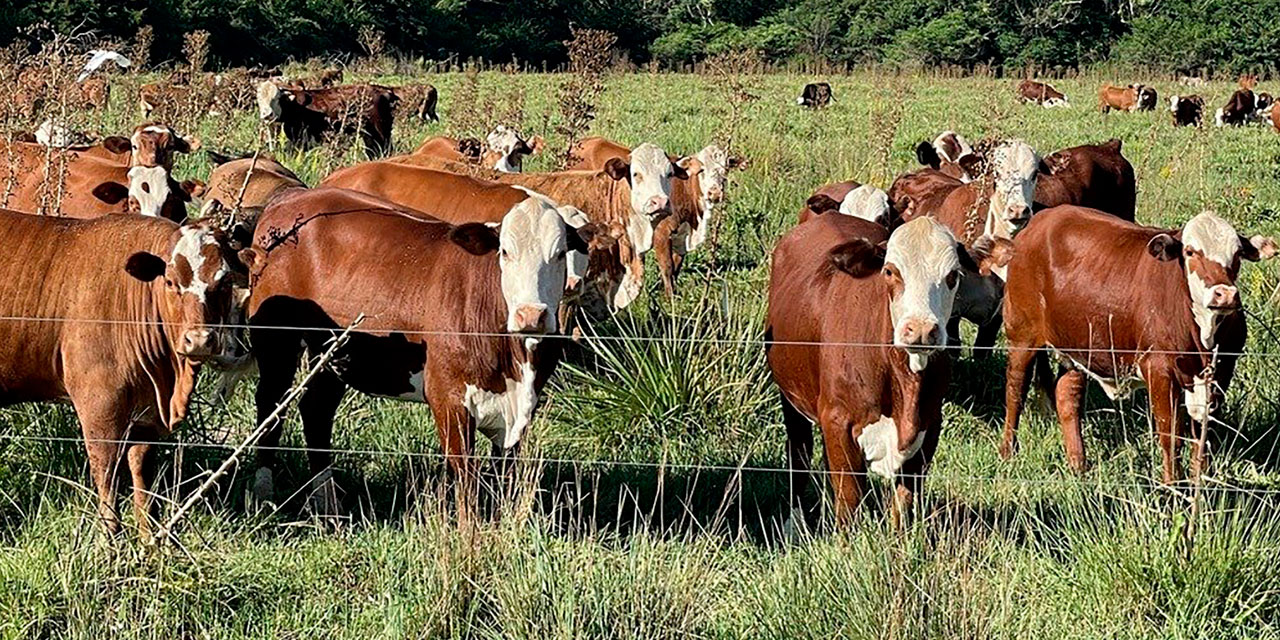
x,y
1008,448
1079,466
264,486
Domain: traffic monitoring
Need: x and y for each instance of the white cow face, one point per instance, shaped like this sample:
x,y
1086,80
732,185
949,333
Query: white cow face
x,y
532,256
1014,166
922,268
867,202
148,190
269,96
509,148
1211,251
649,175
1052,103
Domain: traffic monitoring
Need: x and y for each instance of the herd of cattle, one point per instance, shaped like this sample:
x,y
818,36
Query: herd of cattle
x,y
1243,107
480,265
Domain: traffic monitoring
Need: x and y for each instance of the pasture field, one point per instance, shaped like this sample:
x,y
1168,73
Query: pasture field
x,y
652,503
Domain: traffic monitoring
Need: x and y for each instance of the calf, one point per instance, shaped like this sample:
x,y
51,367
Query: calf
x,y
504,149
1034,92
951,154
815,95
851,199
456,315
1128,306
1092,175
1135,97
1187,110
129,343
853,337
308,115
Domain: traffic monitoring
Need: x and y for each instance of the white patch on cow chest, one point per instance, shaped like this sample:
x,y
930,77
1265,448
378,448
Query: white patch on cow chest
x,y
879,443
1197,399
502,417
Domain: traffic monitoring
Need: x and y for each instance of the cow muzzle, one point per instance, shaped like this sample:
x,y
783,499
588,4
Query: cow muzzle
x,y
529,318
1224,299
715,195
919,335
657,206
1017,217
199,344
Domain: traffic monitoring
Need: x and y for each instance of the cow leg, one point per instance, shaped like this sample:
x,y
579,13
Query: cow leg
x,y
456,430
1015,393
846,467
103,428
1070,398
1164,406
142,473
799,458
277,354
986,339
663,254
317,407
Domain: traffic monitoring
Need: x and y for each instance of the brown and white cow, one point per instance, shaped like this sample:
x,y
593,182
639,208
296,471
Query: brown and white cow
x,y
150,145
1187,110
1041,93
851,199
1135,97
1275,117
67,184
951,154
815,95
693,198
854,335
504,149
246,185
1090,175
1240,109
456,314
123,310
1127,306
308,115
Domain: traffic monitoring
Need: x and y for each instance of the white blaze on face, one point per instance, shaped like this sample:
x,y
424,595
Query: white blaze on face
x,y
921,256
879,444
1218,241
867,202
505,142
713,180
1014,165
149,188
531,256
269,96
650,193
191,244
1173,104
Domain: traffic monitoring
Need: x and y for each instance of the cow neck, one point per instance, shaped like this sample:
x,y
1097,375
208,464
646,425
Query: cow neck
x,y
485,351
686,200
146,312
905,386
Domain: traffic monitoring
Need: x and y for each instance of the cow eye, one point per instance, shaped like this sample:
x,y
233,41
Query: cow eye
x,y
887,271
953,279
639,176
1187,252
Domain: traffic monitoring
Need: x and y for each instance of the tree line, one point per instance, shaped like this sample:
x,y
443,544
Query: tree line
x,y
1185,36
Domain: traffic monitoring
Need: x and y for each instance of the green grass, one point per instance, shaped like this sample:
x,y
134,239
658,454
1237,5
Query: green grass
x,y
667,523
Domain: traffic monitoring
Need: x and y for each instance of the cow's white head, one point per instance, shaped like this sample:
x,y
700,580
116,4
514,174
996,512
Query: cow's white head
x,y
508,148
649,174
1211,251
1051,103
951,154
153,145
1014,166
867,202
269,96
151,192
1173,103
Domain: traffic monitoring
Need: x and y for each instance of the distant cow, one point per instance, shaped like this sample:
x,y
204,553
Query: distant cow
x,y
851,199
308,115
504,149
1092,175
1275,118
150,145
693,199
838,285
1033,92
1243,107
1127,306
131,341
1135,97
951,154
816,95
455,316
1187,110
417,101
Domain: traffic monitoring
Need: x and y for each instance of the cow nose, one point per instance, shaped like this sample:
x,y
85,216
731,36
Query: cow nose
x,y
571,283
715,194
656,204
199,343
1225,297
530,318
919,333
1019,215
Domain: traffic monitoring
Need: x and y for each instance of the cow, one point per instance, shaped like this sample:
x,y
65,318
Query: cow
x,y
246,185
1091,175
418,101
951,154
1187,111
1135,97
1275,118
1242,108
815,95
33,93
1041,93
1263,106
849,198
692,199
49,181
114,315
504,149
1127,306
634,195
308,115
853,336
150,145
456,315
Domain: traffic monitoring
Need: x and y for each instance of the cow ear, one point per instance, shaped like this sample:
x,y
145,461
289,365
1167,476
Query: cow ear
x,y
617,168
476,237
692,165
145,266
193,188
536,145
1258,248
117,144
679,172
1046,166
821,203
111,192
1164,247
927,155
252,260
858,258
185,145
738,162
988,254
590,237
